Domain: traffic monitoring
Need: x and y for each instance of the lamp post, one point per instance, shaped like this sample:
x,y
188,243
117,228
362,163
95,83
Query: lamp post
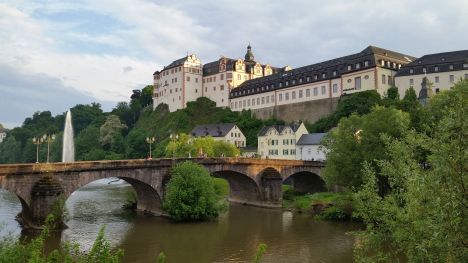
x,y
150,140
174,137
37,141
48,138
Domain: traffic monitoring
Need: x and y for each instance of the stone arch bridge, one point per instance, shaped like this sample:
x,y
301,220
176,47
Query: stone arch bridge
x,y
251,181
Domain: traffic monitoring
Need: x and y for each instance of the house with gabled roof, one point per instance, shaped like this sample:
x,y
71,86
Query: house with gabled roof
x,y
228,132
279,141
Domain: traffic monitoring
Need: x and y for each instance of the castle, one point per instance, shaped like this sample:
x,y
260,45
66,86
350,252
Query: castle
x,y
305,93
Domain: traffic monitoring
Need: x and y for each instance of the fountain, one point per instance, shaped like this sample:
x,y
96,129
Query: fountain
x,y
68,150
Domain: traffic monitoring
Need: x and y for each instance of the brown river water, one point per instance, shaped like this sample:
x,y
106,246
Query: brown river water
x,y
290,237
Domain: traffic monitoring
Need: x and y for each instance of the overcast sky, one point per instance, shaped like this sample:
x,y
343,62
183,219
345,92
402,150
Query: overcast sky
x,y
55,54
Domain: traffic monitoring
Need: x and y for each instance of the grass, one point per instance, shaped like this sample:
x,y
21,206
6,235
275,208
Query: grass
x,y
337,206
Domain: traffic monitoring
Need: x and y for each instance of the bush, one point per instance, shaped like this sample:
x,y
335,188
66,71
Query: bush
x,y
191,194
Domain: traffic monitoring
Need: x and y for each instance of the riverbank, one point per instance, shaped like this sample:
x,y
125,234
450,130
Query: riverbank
x,y
323,205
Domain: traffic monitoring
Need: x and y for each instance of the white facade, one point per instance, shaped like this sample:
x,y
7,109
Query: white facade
x,y
2,136
279,142
178,83
371,69
439,81
308,148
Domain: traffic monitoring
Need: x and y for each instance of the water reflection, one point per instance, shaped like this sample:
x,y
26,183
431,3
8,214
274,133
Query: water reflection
x,y
232,238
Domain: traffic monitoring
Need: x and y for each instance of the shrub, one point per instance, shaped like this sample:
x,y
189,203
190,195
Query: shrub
x,y
191,194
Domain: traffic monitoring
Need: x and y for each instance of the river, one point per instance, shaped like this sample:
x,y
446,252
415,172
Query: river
x,y
290,237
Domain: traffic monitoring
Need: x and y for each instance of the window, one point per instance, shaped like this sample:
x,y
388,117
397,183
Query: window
x,y
307,92
411,82
293,95
349,67
315,91
221,77
243,103
411,71
280,97
366,63
235,105
196,90
221,87
437,90
214,78
324,75
436,69
383,79
263,100
214,88
196,80
324,90
451,67
268,99
424,70
334,73
452,78
358,65
335,88
300,94
239,77
286,96
437,79
229,75
357,83
390,80
258,101
248,103
465,65
272,98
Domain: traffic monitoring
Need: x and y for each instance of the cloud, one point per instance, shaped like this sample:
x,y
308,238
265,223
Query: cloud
x,y
24,94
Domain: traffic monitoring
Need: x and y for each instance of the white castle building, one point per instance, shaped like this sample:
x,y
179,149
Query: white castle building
x,y
187,79
244,84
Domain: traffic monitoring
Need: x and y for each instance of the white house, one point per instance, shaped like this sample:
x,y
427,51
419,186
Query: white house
x,y
308,147
3,132
228,132
279,141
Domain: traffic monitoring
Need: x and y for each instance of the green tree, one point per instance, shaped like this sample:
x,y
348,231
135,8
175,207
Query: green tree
x,y
191,194
423,217
83,115
86,142
185,145
10,150
358,139
111,133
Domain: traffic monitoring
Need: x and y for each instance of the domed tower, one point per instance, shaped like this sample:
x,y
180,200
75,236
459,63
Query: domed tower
x,y
249,57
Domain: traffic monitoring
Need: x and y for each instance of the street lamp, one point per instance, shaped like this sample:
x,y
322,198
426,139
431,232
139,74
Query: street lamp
x,y
174,137
48,138
37,141
150,140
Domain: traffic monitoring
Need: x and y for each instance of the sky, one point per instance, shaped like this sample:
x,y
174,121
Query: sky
x,y
56,54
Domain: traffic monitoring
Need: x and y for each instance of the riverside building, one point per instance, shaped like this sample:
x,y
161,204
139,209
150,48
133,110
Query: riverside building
x,y
279,141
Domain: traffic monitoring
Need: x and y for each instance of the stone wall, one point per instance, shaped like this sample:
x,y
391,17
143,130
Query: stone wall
x,y
309,111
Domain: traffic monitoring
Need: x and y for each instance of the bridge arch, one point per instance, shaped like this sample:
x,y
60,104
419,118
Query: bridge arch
x,y
306,181
25,213
147,186
242,188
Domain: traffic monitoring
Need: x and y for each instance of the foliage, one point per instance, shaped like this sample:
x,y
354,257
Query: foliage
x,y
191,194
259,253
185,145
356,140
111,134
423,217
161,258
12,251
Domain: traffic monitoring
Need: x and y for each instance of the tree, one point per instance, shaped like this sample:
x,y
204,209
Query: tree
x,y
86,142
146,97
423,217
83,115
111,133
191,194
358,139
185,145
10,150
